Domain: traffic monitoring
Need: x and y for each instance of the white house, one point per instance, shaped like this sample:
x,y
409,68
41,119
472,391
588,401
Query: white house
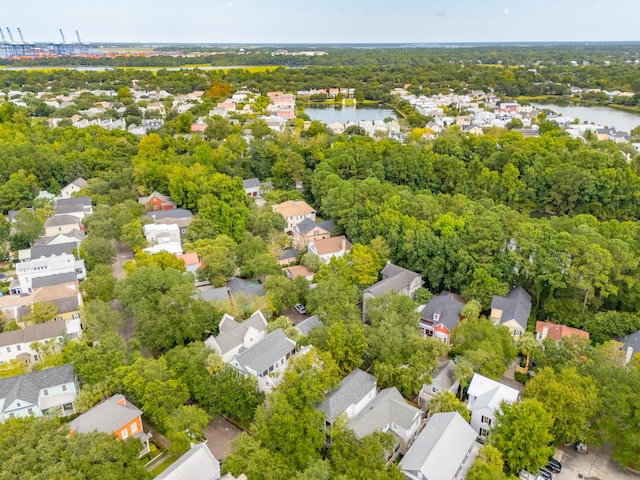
x,y
157,233
68,190
485,398
55,267
234,336
328,248
443,379
294,212
350,397
17,344
36,393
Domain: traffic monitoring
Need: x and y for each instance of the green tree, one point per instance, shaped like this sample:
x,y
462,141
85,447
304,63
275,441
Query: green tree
x,y
41,312
99,284
184,426
234,396
97,251
488,465
18,191
28,227
347,345
446,401
523,434
571,398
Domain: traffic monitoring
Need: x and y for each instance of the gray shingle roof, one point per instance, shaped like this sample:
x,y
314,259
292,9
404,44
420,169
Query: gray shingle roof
x,y
440,448
80,182
250,183
49,250
632,341
197,464
306,226
289,253
351,390
50,280
34,333
74,201
234,332
388,407
448,306
173,213
309,324
59,220
239,285
27,387
444,375
395,278
515,306
108,416
266,352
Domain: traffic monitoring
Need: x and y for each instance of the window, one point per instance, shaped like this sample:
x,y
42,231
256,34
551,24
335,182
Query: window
x,y
134,428
19,404
8,349
64,388
124,434
486,420
483,432
517,333
30,411
394,427
436,317
19,347
46,392
434,390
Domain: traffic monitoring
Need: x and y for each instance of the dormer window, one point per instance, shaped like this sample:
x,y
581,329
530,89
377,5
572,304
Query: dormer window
x,y
436,317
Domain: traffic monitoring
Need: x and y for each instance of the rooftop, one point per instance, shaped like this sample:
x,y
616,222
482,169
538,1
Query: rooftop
x,y
266,352
293,208
350,391
108,416
197,464
558,332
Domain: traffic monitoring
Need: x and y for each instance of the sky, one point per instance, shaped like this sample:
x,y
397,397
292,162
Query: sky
x,y
324,21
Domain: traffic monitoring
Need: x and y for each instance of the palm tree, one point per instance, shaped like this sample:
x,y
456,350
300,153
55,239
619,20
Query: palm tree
x,y
527,346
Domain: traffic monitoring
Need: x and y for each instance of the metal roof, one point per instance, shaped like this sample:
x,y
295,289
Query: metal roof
x,y
197,464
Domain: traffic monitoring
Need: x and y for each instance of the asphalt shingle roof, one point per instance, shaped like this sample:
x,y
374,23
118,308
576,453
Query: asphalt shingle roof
x,y
266,352
515,306
448,306
108,416
351,390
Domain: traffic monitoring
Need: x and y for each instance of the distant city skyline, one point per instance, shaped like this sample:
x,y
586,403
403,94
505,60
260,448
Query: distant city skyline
x,y
329,21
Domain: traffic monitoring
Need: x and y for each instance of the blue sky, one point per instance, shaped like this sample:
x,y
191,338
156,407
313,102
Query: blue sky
x,y
325,21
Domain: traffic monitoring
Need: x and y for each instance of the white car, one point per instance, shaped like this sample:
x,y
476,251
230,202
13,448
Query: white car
x,y
301,309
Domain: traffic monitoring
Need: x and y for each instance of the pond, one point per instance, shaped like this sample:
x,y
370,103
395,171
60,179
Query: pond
x,y
605,116
331,114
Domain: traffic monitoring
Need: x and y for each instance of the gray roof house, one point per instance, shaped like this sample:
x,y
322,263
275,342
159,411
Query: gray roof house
x,y
394,279
197,464
266,359
442,451
37,392
443,379
350,397
485,398
234,337
114,416
68,190
76,206
308,324
388,411
441,316
512,311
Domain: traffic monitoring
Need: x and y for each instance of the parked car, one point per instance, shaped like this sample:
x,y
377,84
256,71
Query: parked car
x,y
581,447
301,309
546,474
555,463
553,467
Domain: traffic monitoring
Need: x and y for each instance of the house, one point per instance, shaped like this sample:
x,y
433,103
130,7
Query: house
x,y
266,359
77,206
443,450
161,233
294,212
114,416
331,247
175,216
512,311
472,130
299,271
197,464
441,316
68,190
630,345
394,279
157,201
75,236
52,266
251,187
289,256
191,262
18,344
350,397
305,326
234,336
66,296
558,332
233,287
61,224
309,231
174,248
485,398
36,393
443,379
388,411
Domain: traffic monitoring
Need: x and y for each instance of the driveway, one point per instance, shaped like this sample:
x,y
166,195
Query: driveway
x,y
219,434
294,316
595,465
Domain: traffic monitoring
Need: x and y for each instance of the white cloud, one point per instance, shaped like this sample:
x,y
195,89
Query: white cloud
x,y
230,5
505,11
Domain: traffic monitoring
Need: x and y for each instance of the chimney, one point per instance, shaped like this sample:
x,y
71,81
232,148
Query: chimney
x,y
629,355
344,244
155,219
295,202
545,332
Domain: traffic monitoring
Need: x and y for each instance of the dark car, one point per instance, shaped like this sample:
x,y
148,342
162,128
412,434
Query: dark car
x,y
546,474
555,463
552,467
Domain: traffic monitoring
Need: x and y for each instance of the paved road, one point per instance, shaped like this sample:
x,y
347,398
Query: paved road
x,y
124,255
595,465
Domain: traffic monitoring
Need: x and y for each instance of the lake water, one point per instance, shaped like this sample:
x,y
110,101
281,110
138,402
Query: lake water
x,y
330,114
605,116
